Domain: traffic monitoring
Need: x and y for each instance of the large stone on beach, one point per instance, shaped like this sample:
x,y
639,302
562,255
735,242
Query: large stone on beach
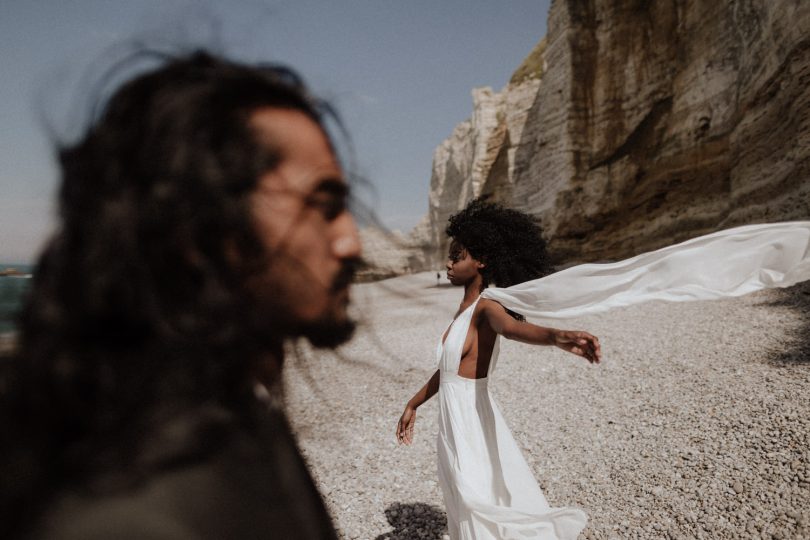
x,y
390,253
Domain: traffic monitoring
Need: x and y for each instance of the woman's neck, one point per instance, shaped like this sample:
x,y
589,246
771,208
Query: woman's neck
x,y
473,289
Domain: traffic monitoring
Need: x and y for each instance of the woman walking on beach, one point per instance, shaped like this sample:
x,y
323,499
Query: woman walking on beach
x,y
489,490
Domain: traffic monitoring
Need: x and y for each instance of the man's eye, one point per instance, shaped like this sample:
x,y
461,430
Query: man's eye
x,y
329,206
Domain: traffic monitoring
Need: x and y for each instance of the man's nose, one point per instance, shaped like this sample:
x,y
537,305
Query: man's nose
x,y
346,243
448,265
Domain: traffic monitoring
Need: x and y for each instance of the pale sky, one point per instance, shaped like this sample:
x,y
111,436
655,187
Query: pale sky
x,y
399,73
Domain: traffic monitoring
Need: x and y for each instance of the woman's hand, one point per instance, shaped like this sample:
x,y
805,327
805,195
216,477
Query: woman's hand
x,y
405,425
580,343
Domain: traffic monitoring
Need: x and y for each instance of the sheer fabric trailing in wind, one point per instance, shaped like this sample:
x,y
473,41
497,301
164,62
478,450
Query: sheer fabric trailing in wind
x,y
726,263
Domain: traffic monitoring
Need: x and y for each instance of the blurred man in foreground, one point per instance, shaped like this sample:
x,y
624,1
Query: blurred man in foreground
x,y
203,222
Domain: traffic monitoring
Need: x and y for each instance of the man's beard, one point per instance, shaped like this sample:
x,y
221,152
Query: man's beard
x,y
270,324
328,333
334,327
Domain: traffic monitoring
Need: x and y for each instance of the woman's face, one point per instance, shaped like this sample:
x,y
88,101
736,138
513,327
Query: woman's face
x,y
462,268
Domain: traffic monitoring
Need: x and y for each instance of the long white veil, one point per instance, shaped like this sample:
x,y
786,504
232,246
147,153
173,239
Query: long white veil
x,y
732,262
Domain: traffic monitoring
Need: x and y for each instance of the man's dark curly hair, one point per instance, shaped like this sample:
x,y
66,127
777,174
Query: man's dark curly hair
x,y
138,310
508,242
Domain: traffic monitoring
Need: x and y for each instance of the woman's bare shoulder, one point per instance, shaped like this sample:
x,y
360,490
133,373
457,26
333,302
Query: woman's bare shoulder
x,y
487,304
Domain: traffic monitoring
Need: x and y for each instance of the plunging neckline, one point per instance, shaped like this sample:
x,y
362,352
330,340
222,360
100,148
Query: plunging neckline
x,y
457,317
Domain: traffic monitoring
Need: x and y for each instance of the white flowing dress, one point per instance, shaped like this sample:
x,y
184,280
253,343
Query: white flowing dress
x,y
489,490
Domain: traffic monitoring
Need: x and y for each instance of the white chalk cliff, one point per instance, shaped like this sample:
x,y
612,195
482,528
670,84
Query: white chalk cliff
x,y
638,124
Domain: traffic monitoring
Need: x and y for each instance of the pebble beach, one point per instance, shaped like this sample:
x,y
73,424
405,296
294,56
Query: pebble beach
x,y
695,425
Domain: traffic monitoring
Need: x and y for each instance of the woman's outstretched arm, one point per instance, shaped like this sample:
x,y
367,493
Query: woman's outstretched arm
x,y
408,418
574,341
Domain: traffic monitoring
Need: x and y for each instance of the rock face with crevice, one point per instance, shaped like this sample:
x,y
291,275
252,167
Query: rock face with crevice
x,y
638,124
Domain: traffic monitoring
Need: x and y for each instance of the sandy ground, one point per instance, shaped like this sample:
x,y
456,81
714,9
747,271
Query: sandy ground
x,y
696,425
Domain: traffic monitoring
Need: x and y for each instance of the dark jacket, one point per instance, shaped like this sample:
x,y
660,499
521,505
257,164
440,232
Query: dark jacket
x,y
254,484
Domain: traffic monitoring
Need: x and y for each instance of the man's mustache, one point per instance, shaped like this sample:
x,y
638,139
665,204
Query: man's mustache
x,y
345,275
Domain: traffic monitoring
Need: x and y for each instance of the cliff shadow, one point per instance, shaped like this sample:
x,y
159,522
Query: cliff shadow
x,y
414,521
797,346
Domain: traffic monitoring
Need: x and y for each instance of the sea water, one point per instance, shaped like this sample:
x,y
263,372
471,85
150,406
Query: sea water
x,y
12,292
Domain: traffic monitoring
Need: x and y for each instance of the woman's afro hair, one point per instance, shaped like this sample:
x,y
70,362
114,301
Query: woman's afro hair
x,y
508,242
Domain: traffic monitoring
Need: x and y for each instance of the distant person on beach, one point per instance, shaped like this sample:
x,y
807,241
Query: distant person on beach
x,y
489,490
203,222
